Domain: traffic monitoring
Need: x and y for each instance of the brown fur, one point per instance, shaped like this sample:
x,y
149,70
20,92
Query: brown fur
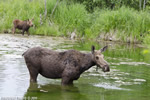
x,y
68,65
22,25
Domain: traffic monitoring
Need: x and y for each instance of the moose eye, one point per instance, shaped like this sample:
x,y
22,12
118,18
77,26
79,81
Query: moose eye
x,y
97,58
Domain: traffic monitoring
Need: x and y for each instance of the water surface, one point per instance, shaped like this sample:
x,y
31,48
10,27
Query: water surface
x,y
129,78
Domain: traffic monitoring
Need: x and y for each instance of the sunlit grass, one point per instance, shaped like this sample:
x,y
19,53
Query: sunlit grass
x,y
127,23
124,24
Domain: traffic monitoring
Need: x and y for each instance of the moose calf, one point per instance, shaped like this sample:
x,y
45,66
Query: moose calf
x,y
22,25
68,65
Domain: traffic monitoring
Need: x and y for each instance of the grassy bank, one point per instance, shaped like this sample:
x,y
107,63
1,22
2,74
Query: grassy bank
x,y
123,24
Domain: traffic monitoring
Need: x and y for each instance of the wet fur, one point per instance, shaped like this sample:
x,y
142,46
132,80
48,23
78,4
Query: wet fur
x,y
68,65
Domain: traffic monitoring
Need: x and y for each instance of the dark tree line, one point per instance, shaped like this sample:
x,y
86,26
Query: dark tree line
x,y
113,4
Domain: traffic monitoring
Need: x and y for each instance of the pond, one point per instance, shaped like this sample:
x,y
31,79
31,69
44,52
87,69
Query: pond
x,y
128,79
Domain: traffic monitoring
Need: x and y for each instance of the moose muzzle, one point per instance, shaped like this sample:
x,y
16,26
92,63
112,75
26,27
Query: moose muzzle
x,y
106,68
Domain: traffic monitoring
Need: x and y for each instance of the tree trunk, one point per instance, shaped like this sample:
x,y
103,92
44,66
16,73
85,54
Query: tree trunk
x,y
107,3
144,4
45,13
54,8
140,4
41,19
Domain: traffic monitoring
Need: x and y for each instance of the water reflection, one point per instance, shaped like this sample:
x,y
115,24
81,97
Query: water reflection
x,y
54,92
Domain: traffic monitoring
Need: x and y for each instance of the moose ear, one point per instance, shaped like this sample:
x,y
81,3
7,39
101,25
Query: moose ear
x,y
103,49
92,49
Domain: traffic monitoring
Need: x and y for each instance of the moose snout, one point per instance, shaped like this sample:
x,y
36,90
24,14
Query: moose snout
x,y
106,68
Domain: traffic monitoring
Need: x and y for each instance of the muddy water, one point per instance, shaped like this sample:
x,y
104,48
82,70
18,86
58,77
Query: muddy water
x,y
129,78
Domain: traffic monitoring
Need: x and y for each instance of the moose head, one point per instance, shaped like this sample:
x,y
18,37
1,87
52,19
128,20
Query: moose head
x,y
98,58
29,22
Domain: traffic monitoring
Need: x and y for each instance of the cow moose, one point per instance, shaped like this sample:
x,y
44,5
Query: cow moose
x,y
22,25
68,65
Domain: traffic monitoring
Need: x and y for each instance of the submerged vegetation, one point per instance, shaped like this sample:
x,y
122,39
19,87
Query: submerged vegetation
x,y
120,23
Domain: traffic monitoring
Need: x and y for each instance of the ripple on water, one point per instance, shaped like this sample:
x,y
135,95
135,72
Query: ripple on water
x,y
109,86
131,63
139,80
117,78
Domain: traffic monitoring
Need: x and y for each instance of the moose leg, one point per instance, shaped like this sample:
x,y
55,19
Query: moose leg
x,y
23,32
13,30
28,33
33,76
33,73
69,74
66,81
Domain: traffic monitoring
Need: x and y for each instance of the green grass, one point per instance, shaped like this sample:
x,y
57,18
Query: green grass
x,y
123,24
71,17
18,9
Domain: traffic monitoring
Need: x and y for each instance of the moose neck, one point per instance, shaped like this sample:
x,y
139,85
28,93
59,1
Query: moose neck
x,y
87,62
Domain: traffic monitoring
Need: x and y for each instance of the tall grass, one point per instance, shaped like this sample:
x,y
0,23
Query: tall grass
x,y
71,17
19,9
123,24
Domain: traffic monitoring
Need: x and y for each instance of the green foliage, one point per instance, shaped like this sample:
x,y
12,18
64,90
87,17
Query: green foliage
x,y
18,9
113,4
71,17
123,23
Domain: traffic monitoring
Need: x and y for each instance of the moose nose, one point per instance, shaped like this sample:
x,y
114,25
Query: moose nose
x,y
106,68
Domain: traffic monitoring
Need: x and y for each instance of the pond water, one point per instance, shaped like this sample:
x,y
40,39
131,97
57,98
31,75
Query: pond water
x,y
128,79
